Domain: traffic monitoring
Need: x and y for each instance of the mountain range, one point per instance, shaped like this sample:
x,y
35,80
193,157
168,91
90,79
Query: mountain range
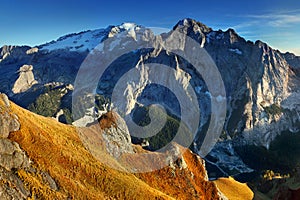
x,y
262,102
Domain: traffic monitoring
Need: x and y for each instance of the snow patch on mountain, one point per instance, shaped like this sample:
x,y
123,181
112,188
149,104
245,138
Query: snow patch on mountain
x,y
227,160
237,51
88,40
131,29
210,36
129,26
77,42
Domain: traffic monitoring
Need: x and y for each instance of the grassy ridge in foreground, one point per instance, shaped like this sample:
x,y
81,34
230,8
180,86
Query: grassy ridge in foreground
x,y
57,149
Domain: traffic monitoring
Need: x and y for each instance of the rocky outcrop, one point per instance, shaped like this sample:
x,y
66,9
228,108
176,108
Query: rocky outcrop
x,y
5,52
32,51
25,80
8,121
10,54
176,160
12,187
115,134
11,156
13,159
185,170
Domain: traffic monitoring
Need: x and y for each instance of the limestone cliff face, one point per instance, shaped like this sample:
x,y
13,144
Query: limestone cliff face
x,y
10,54
260,84
11,156
265,86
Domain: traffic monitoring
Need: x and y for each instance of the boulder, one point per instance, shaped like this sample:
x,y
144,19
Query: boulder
x,y
32,50
25,80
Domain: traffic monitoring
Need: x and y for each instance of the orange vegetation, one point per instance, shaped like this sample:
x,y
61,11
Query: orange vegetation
x,y
60,150
189,183
108,120
234,190
57,149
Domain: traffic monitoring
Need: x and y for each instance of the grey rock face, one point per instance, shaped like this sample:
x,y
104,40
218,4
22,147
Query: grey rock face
x,y
175,158
11,156
258,81
25,80
7,192
8,122
115,134
32,50
5,100
49,180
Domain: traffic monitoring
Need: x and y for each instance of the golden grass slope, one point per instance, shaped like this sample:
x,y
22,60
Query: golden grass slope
x,y
57,149
234,190
189,183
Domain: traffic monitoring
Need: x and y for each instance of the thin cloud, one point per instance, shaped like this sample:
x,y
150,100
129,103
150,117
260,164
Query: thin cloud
x,y
279,29
279,19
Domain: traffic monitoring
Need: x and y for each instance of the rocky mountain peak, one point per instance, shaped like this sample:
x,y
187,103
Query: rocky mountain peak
x,y
129,26
263,45
191,23
233,36
6,49
13,52
193,29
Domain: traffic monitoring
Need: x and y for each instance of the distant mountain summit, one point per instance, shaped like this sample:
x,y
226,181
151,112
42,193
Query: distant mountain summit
x,y
88,40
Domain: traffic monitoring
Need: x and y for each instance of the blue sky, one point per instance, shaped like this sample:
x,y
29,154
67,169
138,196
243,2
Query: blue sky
x,y
33,22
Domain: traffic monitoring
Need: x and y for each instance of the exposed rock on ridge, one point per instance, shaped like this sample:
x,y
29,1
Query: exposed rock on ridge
x,y
8,121
11,156
13,159
25,80
115,134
